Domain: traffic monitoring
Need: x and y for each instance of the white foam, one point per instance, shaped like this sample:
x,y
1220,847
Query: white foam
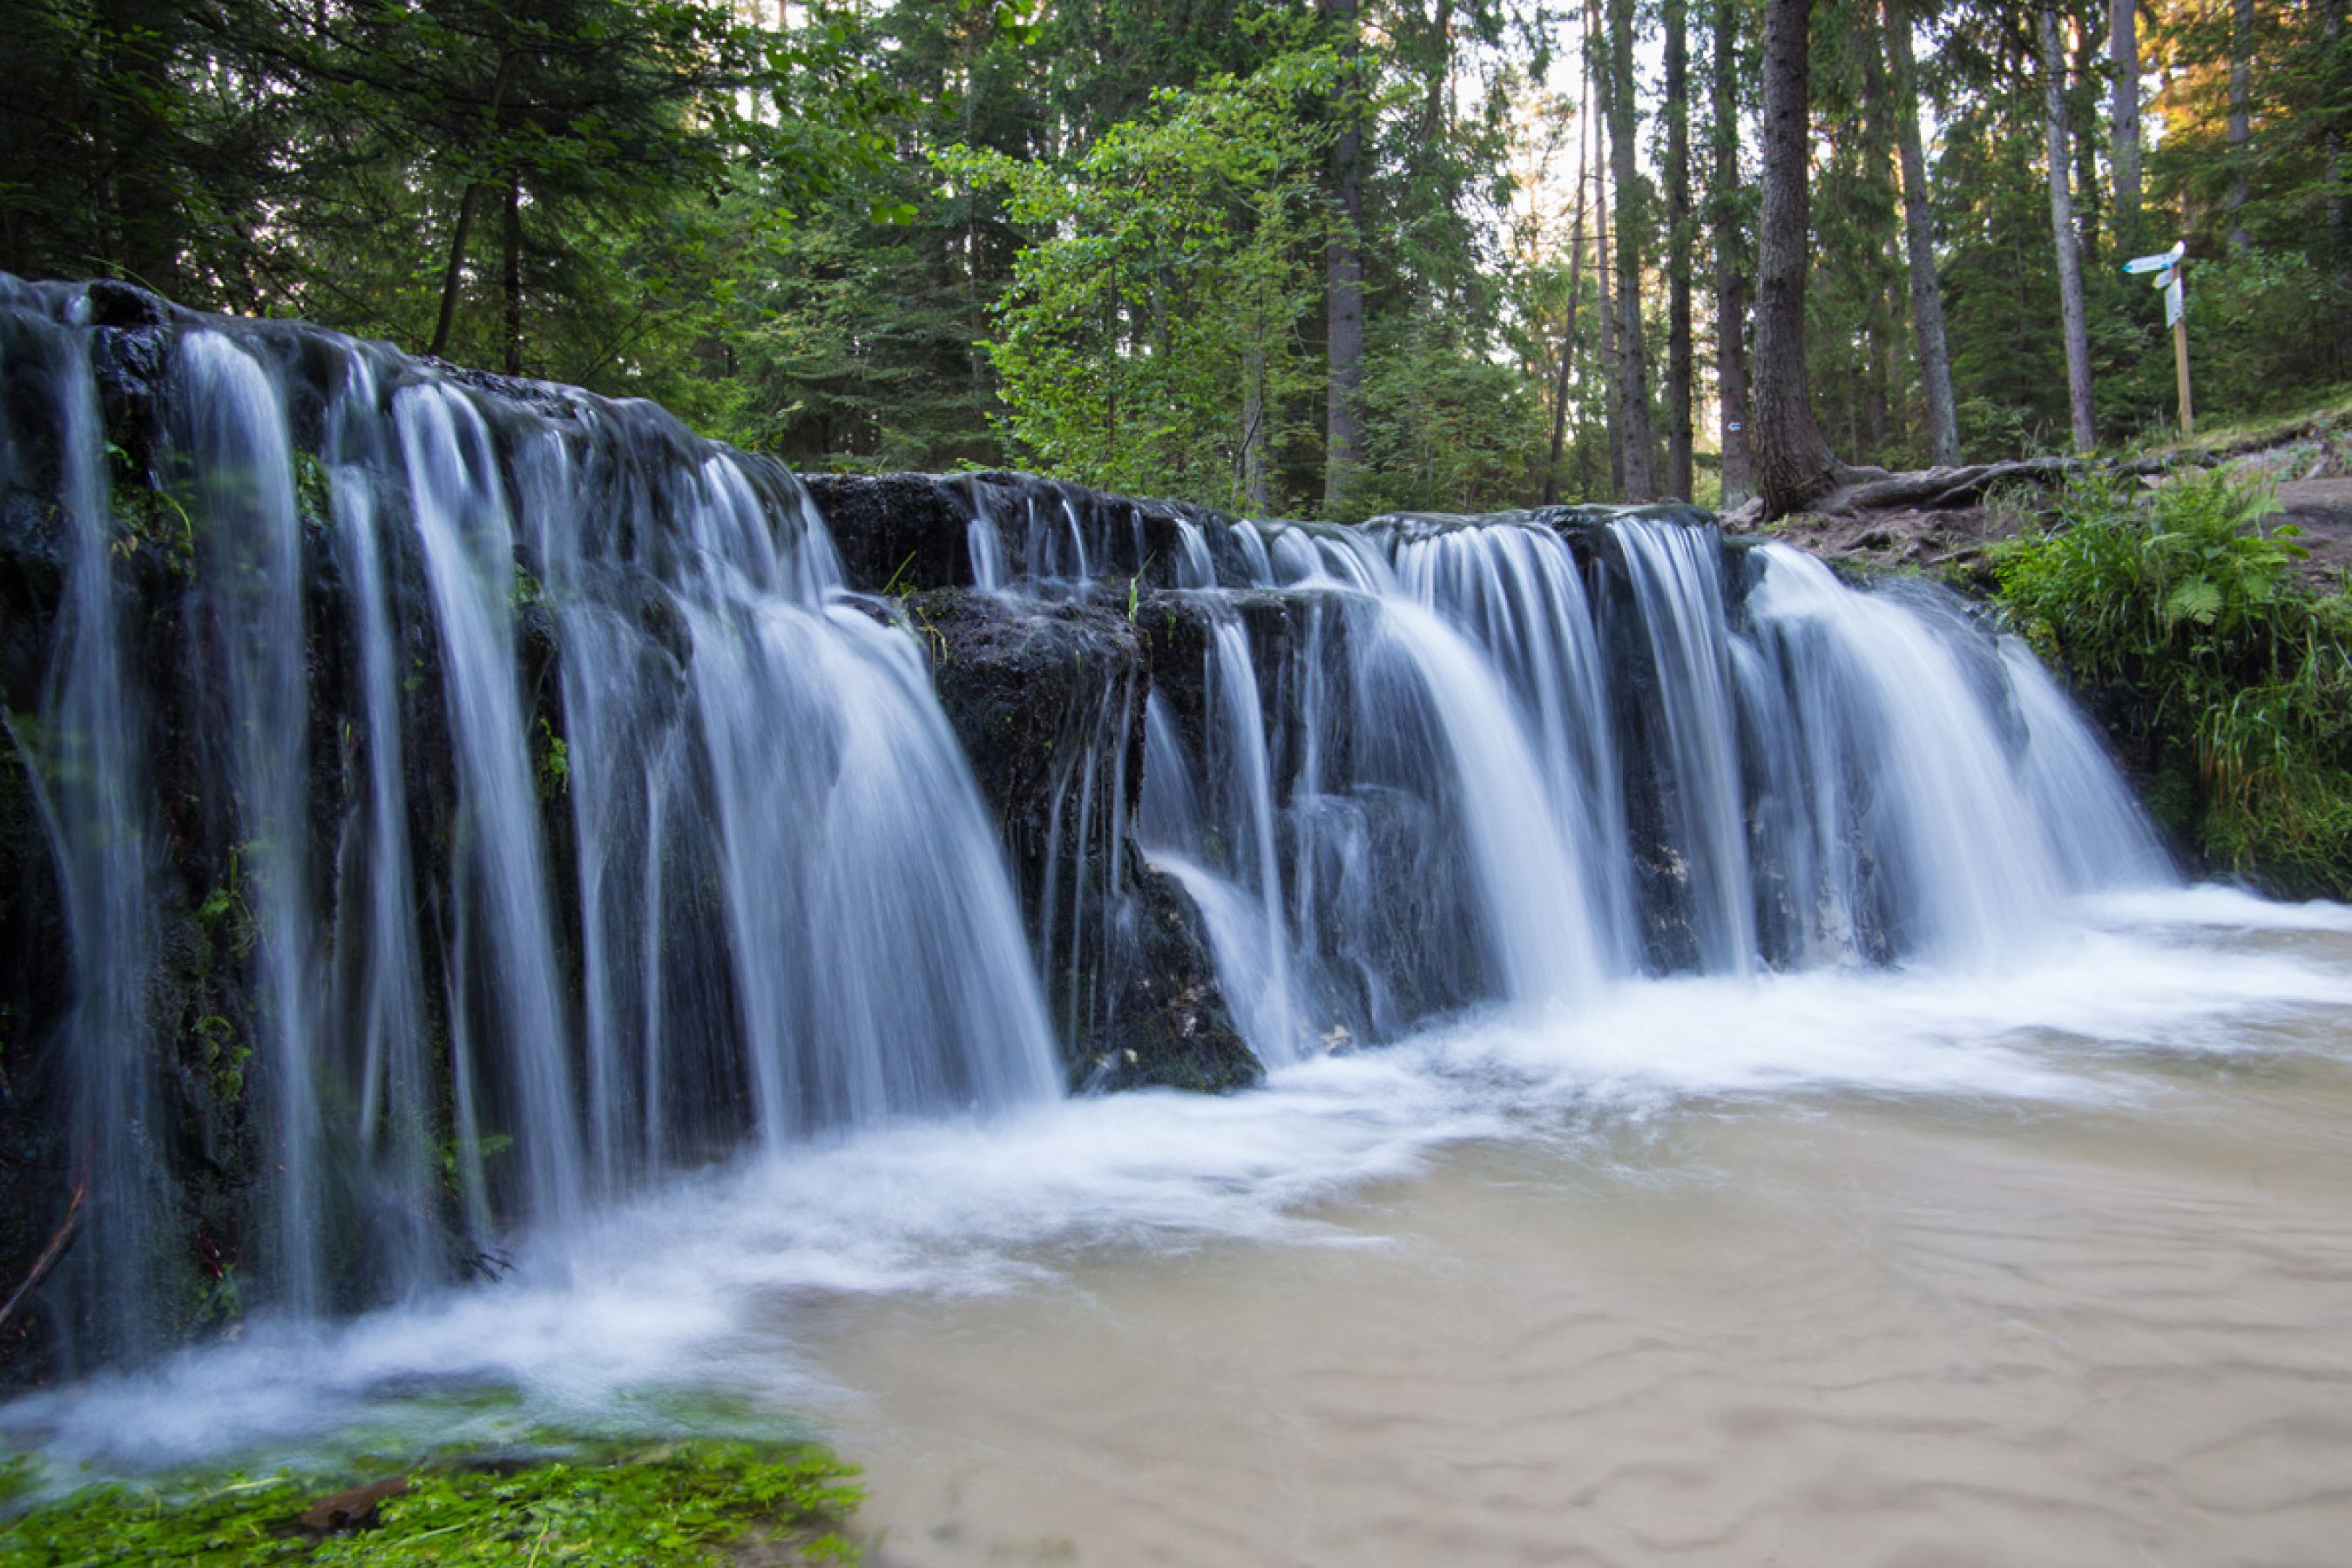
x,y
704,1284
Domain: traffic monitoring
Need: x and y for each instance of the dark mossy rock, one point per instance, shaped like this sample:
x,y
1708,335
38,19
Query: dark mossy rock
x,y
1049,702
895,531
910,533
1169,1023
1033,691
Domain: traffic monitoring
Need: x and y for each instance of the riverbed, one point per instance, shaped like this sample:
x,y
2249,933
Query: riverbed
x,y
2048,1264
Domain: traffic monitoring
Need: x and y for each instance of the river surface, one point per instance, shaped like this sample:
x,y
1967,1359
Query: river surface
x,y
2052,1265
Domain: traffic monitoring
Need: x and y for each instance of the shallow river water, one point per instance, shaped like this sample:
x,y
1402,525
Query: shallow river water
x,y
2048,1266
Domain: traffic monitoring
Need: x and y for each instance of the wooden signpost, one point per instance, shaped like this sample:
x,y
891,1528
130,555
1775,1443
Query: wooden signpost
x,y
2167,266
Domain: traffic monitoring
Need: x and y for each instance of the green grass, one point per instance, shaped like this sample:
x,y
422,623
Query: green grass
x,y
2179,610
695,1501
2332,407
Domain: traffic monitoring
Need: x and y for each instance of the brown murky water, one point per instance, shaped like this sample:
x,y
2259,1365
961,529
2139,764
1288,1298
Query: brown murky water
x,y
1838,1329
2047,1265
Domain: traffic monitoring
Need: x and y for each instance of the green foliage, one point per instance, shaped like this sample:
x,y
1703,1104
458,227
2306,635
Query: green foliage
x,y
673,1504
1155,320
1445,430
224,913
2260,325
2185,608
554,762
223,1057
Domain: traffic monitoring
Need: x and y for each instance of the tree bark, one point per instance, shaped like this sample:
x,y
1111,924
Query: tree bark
x,y
1919,243
2123,57
1678,251
1613,365
137,40
1633,382
513,280
2083,106
453,273
1575,288
60,1242
1730,273
2062,226
1343,264
2242,96
1793,465
2339,232
1881,144
1251,480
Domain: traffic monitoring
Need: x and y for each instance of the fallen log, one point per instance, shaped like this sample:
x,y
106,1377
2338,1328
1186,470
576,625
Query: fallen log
x,y
60,1245
1941,490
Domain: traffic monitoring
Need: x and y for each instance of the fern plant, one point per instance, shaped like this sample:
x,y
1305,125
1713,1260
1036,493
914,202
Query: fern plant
x,y
2184,611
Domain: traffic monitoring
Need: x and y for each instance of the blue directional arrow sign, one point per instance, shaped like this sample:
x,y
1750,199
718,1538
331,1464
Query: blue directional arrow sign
x,y
2157,263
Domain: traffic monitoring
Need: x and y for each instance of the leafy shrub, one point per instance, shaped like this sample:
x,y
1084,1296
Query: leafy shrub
x,y
2185,611
2258,331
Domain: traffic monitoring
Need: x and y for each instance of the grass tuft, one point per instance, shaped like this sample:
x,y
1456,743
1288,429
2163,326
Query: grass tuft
x,y
697,1501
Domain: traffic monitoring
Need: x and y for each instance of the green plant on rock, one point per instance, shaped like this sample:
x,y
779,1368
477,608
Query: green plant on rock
x,y
224,913
2182,606
554,762
643,1506
223,1057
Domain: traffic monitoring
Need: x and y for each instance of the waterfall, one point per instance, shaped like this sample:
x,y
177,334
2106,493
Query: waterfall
x,y
465,801
1678,597
230,436
1835,775
546,813
88,765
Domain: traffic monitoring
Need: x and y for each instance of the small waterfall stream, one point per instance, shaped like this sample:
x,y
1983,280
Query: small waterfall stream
x,y
554,816
542,800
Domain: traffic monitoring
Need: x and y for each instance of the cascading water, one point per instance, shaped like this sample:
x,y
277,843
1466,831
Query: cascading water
x,y
230,436
546,811
568,819
89,777
1678,599
1836,775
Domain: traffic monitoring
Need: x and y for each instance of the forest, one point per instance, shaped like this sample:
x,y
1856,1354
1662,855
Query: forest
x,y
1326,261
1228,782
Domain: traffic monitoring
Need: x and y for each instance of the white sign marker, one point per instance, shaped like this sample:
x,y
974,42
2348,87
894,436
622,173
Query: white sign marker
x,y
2157,263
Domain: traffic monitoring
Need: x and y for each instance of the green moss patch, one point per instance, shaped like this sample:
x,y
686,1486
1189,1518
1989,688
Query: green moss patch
x,y
695,1502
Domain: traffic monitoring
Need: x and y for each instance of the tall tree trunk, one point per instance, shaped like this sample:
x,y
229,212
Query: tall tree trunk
x,y
1793,465
1633,383
137,40
1575,288
2082,109
514,281
2122,59
1343,269
1880,143
1251,480
1878,391
1730,257
453,272
2339,233
1613,363
2062,226
1678,251
1919,243
2241,97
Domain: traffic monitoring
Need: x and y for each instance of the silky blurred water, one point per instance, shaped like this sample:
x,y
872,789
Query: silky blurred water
x,y
2052,1264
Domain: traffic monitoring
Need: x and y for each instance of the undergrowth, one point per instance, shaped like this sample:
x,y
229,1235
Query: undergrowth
x,y
2182,610
678,1503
